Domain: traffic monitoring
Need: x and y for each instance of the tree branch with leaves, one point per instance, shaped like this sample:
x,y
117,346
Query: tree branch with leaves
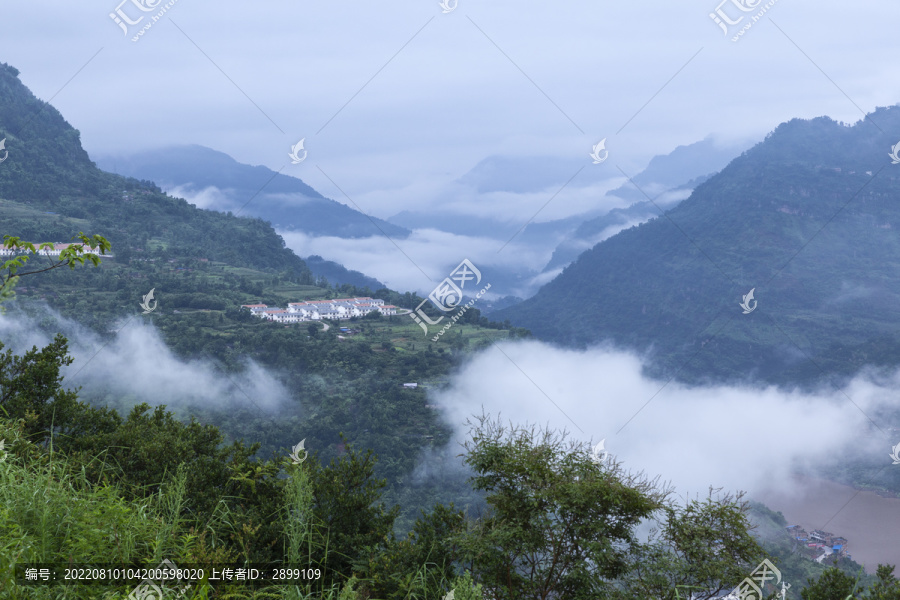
x,y
72,256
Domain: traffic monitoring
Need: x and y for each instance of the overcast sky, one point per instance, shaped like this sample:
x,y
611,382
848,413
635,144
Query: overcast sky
x,y
391,95
396,100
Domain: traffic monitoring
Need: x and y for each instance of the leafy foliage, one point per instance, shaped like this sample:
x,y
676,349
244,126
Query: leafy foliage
x,y
72,256
558,525
80,483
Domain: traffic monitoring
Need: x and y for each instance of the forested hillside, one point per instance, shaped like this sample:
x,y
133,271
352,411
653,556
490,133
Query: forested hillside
x,y
807,219
323,484
285,201
203,265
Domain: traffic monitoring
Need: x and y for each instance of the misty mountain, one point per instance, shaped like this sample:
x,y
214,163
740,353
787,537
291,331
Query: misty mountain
x,y
672,171
512,175
51,189
667,180
338,274
223,184
806,219
522,174
589,233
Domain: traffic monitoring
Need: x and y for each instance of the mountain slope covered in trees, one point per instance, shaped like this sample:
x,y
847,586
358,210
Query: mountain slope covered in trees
x,y
202,266
91,477
285,201
807,219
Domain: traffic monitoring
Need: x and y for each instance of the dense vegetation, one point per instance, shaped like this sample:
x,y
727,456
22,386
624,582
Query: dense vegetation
x,y
202,265
808,218
90,476
338,274
82,485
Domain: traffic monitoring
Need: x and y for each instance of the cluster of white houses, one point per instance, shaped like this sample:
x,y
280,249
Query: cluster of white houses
x,y
314,310
56,250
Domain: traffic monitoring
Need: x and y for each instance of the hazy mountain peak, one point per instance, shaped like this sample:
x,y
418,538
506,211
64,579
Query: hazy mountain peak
x,y
217,181
801,216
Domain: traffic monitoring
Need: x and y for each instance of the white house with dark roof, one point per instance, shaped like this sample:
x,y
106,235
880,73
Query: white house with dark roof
x,y
314,310
254,308
56,250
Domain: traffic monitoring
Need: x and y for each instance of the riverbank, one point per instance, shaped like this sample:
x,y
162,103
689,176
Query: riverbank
x,y
869,521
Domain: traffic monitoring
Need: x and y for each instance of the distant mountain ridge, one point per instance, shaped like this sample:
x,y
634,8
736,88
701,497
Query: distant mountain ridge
x,y
286,202
667,180
532,174
48,169
690,162
807,217
338,274
593,231
50,178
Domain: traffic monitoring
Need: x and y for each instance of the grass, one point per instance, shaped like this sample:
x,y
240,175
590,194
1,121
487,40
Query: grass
x,y
51,513
12,210
405,336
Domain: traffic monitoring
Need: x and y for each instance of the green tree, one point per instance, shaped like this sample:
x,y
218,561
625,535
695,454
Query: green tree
x,y
422,562
887,587
144,450
702,546
72,256
31,389
557,525
464,588
346,497
833,584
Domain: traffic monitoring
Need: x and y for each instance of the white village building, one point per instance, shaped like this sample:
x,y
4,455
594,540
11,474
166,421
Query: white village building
x,y
315,310
56,250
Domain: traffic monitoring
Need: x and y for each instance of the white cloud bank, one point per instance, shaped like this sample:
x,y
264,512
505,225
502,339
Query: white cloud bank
x,y
137,363
747,438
